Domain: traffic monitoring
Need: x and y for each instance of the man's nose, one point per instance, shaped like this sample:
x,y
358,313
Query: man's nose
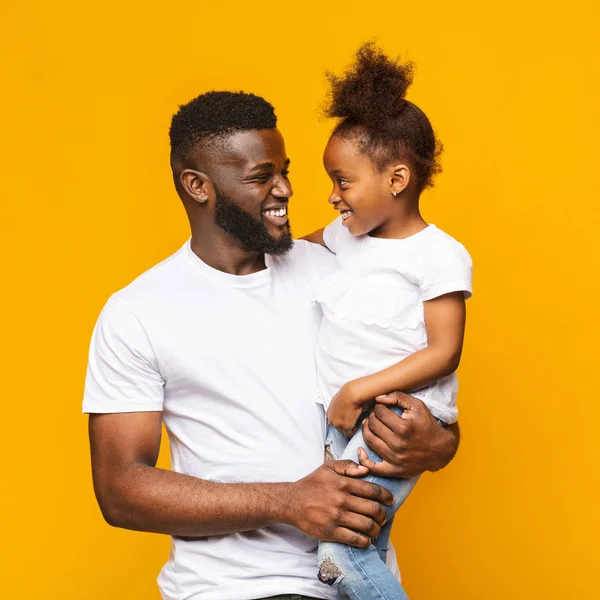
x,y
283,189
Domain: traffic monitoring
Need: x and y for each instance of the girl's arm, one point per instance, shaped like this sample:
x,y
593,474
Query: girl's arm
x,y
445,318
316,237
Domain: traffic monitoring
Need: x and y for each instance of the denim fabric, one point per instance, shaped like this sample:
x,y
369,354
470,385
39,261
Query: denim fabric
x,y
358,573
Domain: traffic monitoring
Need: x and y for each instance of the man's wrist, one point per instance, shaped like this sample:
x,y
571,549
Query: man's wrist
x,y
443,445
280,507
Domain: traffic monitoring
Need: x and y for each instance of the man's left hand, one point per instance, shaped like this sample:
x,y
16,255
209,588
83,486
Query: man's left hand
x,y
410,443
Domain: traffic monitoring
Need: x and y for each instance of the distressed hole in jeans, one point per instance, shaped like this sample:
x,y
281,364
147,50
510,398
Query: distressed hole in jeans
x,y
329,572
328,453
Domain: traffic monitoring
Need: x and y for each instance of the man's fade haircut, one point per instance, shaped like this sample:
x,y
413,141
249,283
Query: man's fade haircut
x,y
214,116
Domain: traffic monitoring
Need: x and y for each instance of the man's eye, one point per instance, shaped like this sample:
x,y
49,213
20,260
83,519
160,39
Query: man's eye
x,y
285,173
262,178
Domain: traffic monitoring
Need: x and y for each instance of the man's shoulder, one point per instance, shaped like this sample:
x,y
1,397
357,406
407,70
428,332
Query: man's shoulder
x,y
156,281
309,251
305,257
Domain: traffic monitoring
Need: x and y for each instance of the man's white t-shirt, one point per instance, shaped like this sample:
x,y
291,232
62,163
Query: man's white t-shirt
x,y
230,362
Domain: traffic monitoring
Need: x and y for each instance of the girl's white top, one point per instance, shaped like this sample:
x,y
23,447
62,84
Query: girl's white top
x,y
373,307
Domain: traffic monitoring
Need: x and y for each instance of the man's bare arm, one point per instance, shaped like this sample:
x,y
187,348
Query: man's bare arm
x,y
328,504
409,444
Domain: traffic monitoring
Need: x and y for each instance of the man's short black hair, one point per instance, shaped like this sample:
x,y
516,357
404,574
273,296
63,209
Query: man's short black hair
x,y
216,115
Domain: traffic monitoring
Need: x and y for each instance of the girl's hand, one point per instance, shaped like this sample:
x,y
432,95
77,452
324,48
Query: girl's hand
x,y
345,409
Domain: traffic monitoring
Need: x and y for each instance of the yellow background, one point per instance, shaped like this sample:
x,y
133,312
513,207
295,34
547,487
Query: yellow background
x,y
512,89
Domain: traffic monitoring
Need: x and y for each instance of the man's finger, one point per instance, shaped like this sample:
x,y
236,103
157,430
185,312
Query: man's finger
x,y
368,508
383,468
387,399
404,401
350,538
370,491
387,424
375,437
347,468
360,523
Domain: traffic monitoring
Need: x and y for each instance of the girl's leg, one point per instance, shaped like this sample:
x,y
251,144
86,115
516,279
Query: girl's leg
x,y
361,573
335,444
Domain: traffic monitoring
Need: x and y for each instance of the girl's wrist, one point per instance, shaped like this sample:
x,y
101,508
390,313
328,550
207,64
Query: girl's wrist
x,y
362,390
351,393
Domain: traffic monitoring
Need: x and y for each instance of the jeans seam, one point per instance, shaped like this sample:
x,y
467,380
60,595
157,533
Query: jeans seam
x,y
365,574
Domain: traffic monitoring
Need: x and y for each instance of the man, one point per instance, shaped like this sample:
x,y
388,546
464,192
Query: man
x,y
218,343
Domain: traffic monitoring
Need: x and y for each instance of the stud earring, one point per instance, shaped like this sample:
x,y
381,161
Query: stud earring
x,y
394,194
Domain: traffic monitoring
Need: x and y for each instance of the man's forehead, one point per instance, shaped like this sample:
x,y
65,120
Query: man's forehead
x,y
249,148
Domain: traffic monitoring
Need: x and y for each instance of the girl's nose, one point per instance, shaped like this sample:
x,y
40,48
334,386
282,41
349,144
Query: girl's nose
x,y
334,197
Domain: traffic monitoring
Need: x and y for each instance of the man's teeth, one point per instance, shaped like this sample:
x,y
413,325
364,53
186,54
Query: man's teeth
x,y
281,212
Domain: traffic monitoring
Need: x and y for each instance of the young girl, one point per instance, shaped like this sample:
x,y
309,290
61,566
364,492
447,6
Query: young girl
x,y
394,311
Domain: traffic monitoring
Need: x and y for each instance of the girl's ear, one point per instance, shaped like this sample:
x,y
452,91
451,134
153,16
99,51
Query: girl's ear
x,y
399,178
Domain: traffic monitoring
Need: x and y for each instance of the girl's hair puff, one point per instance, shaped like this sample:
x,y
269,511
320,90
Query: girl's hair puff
x,y
369,98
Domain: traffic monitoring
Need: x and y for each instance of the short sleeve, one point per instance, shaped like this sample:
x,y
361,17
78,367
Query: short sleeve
x,y
445,268
332,234
122,374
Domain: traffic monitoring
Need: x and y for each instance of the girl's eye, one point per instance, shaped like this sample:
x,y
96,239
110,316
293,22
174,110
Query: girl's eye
x,y
343,182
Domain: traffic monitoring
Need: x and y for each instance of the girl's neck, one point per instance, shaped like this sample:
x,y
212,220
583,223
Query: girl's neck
x,y
402,225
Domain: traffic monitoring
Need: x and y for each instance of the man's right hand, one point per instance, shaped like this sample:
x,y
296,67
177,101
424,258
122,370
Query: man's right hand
x,y
331,505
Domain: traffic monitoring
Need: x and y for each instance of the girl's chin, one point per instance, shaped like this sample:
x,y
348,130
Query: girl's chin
x,y
356,228
349,222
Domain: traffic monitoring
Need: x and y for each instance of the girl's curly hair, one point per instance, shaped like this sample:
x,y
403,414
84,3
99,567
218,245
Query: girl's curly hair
x,y
370,101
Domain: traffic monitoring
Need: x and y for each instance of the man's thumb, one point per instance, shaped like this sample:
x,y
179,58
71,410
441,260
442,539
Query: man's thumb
x,y
387,399
347,468
399,399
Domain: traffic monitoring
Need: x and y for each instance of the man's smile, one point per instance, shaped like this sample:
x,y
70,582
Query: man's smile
x,y
278,215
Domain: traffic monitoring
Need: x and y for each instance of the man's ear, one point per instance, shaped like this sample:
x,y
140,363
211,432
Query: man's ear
x,y
399,178
197,185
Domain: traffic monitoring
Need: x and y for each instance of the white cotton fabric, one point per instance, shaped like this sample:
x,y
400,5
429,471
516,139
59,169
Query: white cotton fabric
x,y
373,306
230,363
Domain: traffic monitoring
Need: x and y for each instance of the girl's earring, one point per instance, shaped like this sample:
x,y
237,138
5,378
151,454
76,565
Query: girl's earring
x,y
394,194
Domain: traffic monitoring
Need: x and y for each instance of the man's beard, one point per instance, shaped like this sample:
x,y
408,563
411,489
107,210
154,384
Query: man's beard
x,y
249,231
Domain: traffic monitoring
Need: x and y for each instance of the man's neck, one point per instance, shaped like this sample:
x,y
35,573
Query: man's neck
x,y
223,253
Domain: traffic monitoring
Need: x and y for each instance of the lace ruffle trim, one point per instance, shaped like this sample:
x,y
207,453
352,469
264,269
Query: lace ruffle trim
x,y
377,304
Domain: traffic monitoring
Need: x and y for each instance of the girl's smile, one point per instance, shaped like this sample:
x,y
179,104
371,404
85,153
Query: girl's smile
x,y
364,194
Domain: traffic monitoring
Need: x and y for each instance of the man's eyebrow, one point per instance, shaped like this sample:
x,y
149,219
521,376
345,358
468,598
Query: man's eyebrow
x,y
268,165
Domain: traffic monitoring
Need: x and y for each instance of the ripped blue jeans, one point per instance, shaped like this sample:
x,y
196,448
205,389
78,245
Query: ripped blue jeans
x,y
361,573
